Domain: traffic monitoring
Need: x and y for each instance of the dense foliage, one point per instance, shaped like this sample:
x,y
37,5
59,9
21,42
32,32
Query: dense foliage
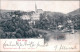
x,y
15,27
12,26
50,20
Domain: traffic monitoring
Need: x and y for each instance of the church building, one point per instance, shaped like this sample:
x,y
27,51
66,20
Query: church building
x,y
37,13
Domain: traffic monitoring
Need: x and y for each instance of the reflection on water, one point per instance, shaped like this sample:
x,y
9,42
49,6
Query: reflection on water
x,y
60,36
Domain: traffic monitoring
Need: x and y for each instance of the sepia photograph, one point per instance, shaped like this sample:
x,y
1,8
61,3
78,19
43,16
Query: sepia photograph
x,y
50,25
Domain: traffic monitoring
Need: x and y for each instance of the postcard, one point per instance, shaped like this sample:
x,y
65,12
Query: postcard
x,y
39,25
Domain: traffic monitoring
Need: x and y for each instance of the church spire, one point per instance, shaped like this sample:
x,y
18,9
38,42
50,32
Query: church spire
x,y
35,7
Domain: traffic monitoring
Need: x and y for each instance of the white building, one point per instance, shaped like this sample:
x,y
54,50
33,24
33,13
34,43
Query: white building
x,y
25,17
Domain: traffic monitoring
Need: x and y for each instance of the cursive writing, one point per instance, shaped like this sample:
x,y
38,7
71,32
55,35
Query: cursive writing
x,y
20,44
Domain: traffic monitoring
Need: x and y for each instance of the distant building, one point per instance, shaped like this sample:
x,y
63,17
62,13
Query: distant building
x,y
34,15
37,13
25,17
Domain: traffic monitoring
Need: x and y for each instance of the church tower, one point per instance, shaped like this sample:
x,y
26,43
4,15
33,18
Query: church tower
x,y
35,8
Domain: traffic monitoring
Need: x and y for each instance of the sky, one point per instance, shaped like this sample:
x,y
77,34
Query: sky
x,y
54,6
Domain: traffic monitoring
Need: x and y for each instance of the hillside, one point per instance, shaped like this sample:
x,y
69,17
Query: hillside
x,y
74,12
